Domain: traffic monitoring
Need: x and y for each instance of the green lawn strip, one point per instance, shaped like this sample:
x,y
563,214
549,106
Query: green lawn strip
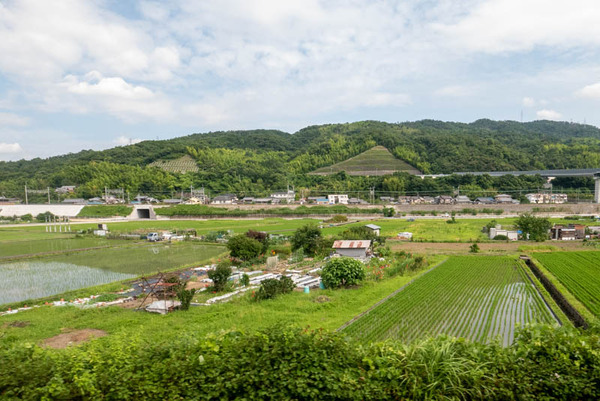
x,y
241,314
542,292
578,305
105,211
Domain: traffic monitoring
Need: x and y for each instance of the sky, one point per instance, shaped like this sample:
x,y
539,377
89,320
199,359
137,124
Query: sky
x,y
96,74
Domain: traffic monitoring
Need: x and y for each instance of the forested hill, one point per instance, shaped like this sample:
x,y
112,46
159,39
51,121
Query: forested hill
x,y
264,160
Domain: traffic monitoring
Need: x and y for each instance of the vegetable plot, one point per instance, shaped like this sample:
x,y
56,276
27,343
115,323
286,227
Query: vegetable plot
x,y
579,272
476,297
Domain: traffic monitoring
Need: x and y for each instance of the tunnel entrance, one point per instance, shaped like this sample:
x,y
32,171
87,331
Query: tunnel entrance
x,y
143,213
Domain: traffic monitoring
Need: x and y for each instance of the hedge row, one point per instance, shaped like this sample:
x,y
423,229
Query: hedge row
x,y
203,210
544,363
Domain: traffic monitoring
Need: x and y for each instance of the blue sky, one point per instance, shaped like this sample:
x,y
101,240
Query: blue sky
x,y
101,73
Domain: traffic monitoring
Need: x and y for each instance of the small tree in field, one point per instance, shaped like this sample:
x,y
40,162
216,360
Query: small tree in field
x,y
342,272
243,247
220,275
308,238
536,227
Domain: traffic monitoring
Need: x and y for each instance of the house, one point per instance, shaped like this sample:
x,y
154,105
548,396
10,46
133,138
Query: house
x,y
74,201
263,201
444,200
335,199
462,199
485,200
504,199
247,200
374,228
387,199
511,235
428,200
547,198
283,197
319,200
357,201
225,199
65,189
171,201
568,233
354,249
144,199
96,201
405,235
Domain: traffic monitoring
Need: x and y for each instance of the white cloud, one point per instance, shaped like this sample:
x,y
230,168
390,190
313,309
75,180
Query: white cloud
x,y
13,120
123,141
453,91
528,102
497,26
112,87
590,91
10,148
546,114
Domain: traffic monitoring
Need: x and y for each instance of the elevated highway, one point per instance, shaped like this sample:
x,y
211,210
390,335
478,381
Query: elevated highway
x,y
550,174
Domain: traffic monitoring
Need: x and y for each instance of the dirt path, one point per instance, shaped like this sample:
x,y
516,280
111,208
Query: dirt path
x,y
73,338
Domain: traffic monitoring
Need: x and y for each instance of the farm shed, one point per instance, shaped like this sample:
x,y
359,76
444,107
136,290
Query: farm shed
x,y
376,229
353,249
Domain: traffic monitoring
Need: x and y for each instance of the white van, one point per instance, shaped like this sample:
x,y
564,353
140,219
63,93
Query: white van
x,y
153,237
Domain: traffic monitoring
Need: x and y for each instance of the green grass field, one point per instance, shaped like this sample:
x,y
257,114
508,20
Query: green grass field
x,y
475,297
579,272
375,161
54,245
297,309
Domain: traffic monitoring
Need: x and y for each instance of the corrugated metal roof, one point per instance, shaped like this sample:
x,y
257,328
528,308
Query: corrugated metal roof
x,y
359,244
373,227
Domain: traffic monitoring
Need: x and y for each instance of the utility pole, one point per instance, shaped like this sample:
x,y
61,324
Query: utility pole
x,y
48,195
26,198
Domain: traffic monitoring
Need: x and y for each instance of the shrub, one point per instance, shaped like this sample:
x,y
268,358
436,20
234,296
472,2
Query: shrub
x,y
342,272
185,297
272,287
244,248
245,280
338,218
220,275
308,238
474,248
389,212
261,237
46,216
500,237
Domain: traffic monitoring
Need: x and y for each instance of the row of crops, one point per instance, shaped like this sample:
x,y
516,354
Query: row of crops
x,y
579,272
476,297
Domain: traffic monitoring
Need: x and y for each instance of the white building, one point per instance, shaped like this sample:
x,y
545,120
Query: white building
x,y
511,235
335,199
374,228
547,198
284,197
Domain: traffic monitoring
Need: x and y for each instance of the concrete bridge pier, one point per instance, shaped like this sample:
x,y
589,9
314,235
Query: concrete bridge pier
x,y
597,188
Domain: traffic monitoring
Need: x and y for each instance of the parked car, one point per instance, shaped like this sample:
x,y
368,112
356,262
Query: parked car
x,y
153,237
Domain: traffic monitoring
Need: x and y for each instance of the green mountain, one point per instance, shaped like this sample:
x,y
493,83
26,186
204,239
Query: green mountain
x,y
260,161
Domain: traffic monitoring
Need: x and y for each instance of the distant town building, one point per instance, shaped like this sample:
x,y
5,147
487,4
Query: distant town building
x,y
505,199
283,197
225,199
547,198
485,200
335,199
74,201
462,199
65,189
444,200
567,233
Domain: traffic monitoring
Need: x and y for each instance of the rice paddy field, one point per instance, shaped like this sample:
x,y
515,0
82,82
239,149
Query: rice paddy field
x,y
579,272
45,276
480,298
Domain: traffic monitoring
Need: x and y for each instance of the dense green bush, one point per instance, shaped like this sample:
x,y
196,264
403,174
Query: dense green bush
x,y
220,275
277,364
272,287
244,248
307,238
342,272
